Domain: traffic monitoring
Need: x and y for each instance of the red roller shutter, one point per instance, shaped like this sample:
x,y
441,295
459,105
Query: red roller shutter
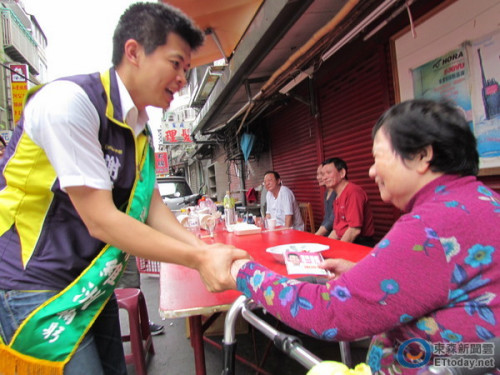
x,y
350,99
350,105
295,154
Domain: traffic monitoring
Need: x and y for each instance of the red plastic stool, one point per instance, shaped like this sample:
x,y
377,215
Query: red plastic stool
x,y
132,300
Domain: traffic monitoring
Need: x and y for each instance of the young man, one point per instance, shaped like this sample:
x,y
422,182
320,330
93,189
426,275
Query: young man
x,y
353,219
78,186
281,203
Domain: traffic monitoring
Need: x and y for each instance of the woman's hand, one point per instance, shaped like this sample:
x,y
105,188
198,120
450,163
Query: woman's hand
x,y
235,267
336,267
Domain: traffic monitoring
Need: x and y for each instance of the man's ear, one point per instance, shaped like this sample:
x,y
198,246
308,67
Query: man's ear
x,y
343,173
424,158
132,51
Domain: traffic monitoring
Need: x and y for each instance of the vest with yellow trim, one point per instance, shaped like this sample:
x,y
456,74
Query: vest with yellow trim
x,y
44,245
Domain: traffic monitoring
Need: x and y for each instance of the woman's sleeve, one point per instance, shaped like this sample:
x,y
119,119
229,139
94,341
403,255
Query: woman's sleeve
x,y
391,284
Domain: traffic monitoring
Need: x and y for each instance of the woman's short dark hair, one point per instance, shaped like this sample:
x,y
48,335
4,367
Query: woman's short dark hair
x,y
339,164
415,124
149,24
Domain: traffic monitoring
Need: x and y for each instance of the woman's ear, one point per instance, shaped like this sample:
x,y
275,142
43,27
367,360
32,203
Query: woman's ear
x,y
423,159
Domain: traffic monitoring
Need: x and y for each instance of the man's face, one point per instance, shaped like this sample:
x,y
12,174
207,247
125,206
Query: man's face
x,y
331,176
294,259
319,175
161,73
271,183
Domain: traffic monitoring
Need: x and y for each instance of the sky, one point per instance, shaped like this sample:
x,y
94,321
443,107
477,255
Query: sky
x,y
79,36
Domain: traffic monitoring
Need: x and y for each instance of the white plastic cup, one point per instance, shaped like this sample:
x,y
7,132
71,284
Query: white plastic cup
x,y
271,224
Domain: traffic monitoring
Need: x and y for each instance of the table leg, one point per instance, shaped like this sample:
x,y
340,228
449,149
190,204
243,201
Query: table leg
x,y
197,344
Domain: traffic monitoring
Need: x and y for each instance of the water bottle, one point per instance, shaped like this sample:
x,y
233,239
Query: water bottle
x,y
194,223
229,212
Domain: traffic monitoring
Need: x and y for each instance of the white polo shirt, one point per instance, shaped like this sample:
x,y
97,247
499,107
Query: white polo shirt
x,y
62,120
284,204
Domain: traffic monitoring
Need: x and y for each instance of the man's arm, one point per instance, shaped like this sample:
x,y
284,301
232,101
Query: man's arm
x,y
288,221
322,231
162,219
350,234
333,235
156,241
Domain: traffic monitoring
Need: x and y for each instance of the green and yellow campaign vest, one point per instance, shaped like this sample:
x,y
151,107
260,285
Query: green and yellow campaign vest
x,y
49,336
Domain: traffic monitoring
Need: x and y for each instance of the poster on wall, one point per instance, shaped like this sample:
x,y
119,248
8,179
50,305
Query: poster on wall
x,y
445,77
484,60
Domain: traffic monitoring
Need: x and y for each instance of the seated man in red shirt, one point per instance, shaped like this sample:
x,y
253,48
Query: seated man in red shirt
x,y
353,216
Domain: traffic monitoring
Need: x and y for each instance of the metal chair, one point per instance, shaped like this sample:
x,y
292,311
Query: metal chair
x,y
307,216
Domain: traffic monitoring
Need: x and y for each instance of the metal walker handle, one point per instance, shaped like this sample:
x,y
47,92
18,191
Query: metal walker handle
x,y
289,344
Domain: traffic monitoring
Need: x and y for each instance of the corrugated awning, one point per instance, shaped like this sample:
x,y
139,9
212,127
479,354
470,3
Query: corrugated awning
x,y
227,19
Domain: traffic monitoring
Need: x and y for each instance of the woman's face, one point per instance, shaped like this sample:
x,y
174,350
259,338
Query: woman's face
x,y
397,181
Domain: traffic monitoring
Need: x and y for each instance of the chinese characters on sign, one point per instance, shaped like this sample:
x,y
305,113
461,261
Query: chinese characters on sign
x,y
19,87
178,133
177,127
161,163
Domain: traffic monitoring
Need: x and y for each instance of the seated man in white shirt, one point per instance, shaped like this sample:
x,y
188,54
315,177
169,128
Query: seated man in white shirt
x,y
281,203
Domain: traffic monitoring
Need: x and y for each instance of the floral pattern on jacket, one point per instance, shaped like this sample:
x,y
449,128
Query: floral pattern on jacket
x,y
435,276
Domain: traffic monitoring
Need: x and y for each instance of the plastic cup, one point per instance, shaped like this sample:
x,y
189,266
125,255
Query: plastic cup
x,y
271,224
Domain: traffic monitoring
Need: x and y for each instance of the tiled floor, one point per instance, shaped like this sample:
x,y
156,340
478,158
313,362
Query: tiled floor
x,y
174,355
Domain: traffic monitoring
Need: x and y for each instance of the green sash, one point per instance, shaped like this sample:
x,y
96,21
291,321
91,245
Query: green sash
x,y
50,335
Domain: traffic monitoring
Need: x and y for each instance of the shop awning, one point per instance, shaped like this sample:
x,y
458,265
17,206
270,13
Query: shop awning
x,y
227,20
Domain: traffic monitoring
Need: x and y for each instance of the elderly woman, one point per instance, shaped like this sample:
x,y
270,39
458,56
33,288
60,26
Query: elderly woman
x,y
435,276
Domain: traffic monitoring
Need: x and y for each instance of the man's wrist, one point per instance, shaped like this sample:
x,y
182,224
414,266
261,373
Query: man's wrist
x,y
235,267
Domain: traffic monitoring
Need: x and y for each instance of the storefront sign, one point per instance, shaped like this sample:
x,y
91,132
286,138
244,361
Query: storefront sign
x,y
177,133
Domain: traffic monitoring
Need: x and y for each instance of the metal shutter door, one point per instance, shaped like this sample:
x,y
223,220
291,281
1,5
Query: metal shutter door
x,y
350,105
294,152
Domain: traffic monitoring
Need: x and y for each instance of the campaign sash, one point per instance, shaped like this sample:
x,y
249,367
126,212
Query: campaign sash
x,y
49,336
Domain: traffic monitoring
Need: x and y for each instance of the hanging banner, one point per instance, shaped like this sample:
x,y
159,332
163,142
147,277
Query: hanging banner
x,y
19,87
161,163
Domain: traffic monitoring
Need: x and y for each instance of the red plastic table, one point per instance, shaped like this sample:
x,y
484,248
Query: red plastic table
x,y
182,293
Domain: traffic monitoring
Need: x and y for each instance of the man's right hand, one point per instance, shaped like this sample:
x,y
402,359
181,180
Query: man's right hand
x,y
215,266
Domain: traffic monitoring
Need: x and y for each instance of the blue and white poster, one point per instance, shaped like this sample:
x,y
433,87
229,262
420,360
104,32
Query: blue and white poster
x,y
445,77
484,58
